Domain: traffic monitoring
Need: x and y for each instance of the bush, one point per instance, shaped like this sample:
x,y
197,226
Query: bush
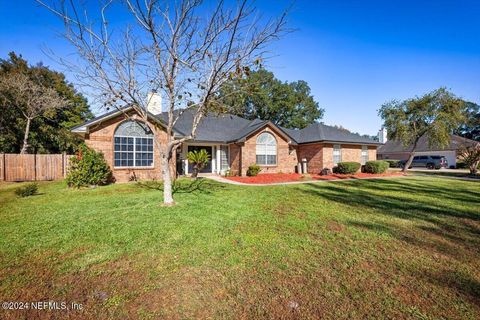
x,y
28,190
346,167
199,159
393,163
462,165
253,170
379,166
88,168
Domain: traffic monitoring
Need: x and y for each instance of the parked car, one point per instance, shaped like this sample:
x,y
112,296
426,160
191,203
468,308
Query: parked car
x,y
429,162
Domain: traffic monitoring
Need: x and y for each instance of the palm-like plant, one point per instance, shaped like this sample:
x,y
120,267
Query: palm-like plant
x,y
199,159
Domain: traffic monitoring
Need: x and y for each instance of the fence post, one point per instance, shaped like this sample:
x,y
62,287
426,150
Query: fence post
x,y
4,170
64,164
34,167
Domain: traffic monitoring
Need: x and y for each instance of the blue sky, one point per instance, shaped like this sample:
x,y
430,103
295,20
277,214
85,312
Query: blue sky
x,y
355,55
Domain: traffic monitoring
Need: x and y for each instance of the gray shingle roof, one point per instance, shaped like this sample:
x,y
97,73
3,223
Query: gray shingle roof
x,y
392,146
226,128
321,132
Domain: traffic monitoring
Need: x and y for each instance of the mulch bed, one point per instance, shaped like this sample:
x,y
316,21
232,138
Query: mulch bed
x,y
265,178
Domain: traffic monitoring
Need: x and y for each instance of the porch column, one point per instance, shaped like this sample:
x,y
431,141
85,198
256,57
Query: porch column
x,y
218,159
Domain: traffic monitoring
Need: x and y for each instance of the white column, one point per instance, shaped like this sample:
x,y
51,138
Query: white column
x,y
184,154
218,159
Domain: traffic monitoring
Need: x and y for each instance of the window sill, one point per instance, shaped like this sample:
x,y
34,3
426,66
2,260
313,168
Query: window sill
x,y
267,165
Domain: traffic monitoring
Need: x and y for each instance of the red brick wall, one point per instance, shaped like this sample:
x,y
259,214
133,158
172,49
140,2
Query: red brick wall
x,y
100,138
350,153
286,156
320,155
235,159
314,155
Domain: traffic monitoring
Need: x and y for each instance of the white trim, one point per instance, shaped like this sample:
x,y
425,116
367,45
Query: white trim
x,y
339,148
364,148
84,128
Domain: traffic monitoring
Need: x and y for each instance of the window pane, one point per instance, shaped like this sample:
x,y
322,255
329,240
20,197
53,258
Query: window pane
x,y
132,152
261,159
271,159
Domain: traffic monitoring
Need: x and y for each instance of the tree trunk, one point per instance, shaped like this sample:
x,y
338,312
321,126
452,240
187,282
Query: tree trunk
x,y
167,182
25,137
410,157
474,168
195,171
409,161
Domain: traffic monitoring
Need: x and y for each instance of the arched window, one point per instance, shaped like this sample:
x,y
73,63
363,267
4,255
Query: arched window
x,y
133,145
266,149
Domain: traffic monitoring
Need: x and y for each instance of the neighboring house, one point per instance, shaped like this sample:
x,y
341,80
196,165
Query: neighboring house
x,y
234,144
395,150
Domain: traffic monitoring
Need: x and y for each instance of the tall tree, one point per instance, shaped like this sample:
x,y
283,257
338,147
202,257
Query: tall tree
x,y
260,95
47,134
471,128
32,99
184,50
434,115
470,154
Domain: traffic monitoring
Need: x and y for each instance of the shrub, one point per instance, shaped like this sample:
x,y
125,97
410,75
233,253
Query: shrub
x,y
253,170
88,168
379,166
346,167
28,190
393,163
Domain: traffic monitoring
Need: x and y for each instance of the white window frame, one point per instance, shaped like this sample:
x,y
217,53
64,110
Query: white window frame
x,y
134,153
364,155
265,152
337,148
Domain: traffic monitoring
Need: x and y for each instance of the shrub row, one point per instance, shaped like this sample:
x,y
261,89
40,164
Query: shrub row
x,y
346,167
393,163
378,166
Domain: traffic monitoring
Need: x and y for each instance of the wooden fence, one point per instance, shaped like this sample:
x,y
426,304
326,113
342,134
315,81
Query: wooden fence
x,y
33,167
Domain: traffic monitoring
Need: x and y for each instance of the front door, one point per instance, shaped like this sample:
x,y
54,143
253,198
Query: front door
x,y
208,167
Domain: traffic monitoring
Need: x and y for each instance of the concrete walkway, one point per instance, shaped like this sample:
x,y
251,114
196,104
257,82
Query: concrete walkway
x,y
228,181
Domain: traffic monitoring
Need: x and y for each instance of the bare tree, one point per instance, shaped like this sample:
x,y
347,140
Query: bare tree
x,y
470,154
183,49
31,98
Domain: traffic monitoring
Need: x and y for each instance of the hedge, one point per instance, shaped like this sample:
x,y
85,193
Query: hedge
x,y
393,163
253,170
346,167
378,166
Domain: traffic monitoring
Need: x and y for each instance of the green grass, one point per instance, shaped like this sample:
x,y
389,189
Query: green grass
x,y
403,248
447,174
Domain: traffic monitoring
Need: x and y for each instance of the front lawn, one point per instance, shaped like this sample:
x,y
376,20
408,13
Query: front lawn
x,y
401,248
272,178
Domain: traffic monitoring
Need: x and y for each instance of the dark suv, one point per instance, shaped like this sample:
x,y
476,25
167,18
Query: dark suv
x,y
429,162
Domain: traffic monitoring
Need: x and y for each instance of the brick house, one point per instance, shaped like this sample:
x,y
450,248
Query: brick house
x,y
234,144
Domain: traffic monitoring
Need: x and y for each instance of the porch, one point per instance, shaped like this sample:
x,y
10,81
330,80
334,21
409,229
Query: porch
x,y
219,158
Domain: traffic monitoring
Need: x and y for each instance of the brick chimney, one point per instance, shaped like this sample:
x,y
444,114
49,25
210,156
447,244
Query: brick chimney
x,y
382,135
154,103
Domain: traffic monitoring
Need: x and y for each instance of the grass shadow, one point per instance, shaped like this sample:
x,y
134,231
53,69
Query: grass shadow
x,y
448,227
192,186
